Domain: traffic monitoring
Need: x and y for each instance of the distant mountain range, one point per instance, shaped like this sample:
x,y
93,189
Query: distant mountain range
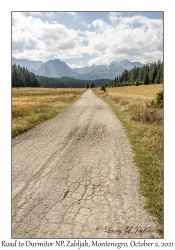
x,y
57,68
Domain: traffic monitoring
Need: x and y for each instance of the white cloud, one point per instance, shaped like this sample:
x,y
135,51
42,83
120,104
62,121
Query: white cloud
x,y
149,56
51,38
49,14
99,24
72,13
73,66
34,55
85,24
136,38
130,38
113,16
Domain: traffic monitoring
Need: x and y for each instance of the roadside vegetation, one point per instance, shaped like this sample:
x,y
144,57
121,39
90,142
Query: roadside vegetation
x,y
147,74
31,106
140,109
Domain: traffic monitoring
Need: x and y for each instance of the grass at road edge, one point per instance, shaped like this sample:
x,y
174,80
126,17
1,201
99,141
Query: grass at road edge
x,y
147,157
32,106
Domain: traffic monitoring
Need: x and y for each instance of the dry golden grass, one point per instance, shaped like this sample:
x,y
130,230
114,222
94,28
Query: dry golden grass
x,y
147,91
30,106
135,100
21,92
144,126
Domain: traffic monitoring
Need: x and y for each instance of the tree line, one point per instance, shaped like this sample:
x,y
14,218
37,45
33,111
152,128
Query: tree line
x,y
69,82
147,74
21,77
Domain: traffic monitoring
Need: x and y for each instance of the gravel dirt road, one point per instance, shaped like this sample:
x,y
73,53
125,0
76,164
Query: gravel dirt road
x,y
73,177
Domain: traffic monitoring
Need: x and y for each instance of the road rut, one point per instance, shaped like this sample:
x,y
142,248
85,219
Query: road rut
x,y
73,177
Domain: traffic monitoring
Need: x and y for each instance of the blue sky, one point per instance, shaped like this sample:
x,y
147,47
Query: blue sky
x,y
86,38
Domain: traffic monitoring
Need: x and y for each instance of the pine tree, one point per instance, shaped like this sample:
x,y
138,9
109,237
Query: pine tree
x,y
137,82
146,78
92,85
153,73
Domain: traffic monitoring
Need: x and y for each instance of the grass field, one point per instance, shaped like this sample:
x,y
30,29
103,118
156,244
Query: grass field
x,y
142,91
31,106
144,126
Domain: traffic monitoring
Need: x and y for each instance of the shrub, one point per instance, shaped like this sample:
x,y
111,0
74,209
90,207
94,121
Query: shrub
x,y
159,98
103,88
158,101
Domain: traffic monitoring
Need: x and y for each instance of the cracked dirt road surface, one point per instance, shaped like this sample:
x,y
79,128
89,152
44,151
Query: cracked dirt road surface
x,y
73,177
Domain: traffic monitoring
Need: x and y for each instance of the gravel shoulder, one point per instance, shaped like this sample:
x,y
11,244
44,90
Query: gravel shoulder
x,y
73,177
